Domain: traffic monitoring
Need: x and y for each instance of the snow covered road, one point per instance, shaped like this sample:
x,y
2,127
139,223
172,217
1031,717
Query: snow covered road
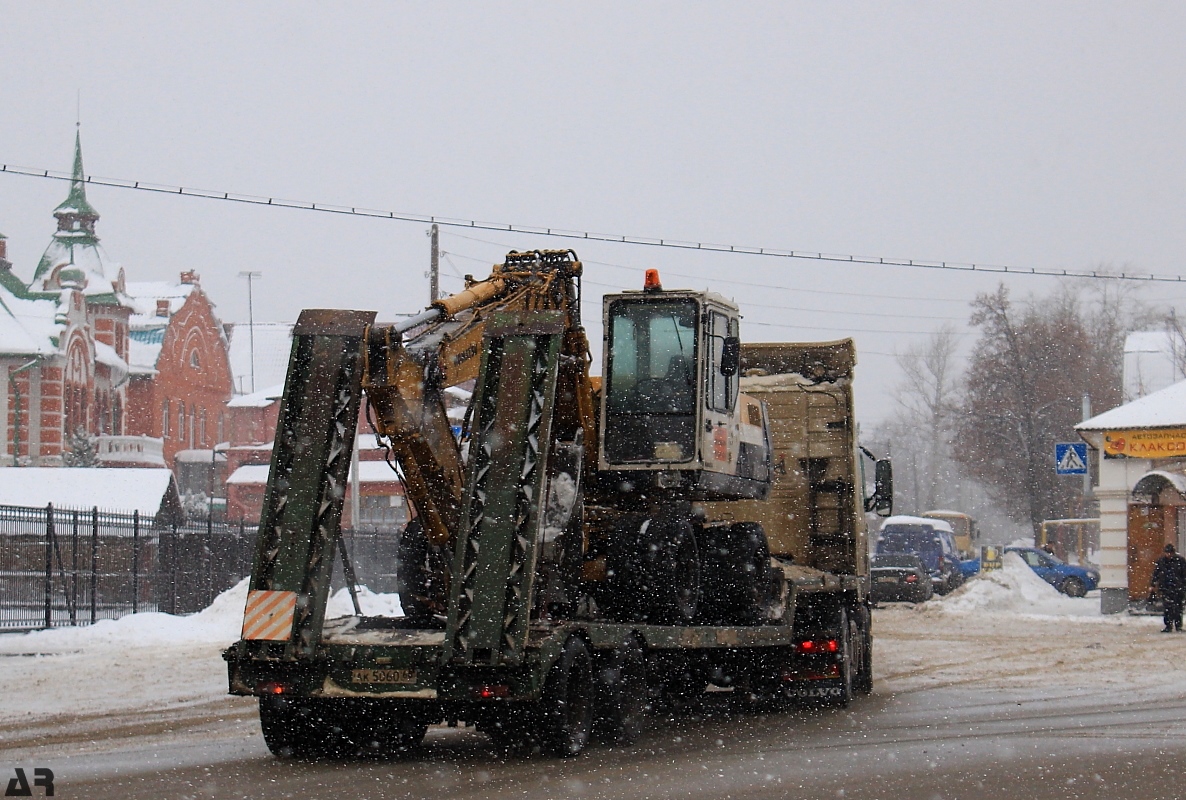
x,y
1004,689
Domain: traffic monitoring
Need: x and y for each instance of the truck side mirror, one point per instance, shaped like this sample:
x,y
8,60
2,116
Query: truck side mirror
x,y
731,356
882,501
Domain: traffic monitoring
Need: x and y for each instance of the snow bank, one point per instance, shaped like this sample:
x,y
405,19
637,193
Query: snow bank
x,y
372,605
219,624
138,663
1015,587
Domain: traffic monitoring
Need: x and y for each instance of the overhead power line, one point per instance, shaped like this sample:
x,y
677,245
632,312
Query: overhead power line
x,y
562,233
718,280
784,308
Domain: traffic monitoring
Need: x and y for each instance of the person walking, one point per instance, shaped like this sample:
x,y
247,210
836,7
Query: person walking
x,y
1169,579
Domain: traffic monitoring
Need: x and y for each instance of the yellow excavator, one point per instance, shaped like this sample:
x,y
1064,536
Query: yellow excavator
x,y
656,450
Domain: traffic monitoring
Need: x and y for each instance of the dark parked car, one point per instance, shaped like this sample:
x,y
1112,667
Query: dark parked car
x,y
929,539
1067,578
900,576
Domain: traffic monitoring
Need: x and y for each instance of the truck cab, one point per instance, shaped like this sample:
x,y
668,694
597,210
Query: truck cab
x,y
672,413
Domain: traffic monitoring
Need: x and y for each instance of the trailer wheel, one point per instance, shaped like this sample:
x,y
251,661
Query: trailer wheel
x,y
386,731
566,705
292,728
621,697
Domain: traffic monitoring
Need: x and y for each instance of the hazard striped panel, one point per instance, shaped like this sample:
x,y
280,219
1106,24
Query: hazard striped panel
x,y
269,615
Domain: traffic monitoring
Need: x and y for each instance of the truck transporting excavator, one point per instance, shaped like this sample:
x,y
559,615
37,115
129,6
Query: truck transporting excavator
x,y
587,548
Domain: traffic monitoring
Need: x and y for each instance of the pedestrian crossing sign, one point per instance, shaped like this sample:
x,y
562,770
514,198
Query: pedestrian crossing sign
x,y
1070,458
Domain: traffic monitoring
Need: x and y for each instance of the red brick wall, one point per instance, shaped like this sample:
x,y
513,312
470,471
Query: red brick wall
x,y
201,389
142,415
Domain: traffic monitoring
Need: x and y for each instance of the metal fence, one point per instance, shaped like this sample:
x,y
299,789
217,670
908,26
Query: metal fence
x,y
63,566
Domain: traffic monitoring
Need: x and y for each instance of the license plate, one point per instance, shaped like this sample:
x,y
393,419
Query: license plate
x,y
383,676
887,579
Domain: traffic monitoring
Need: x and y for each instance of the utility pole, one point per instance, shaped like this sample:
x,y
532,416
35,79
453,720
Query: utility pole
x,y
1086,409
250,275
434,265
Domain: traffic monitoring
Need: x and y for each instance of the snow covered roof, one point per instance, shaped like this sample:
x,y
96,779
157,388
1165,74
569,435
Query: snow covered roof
x,y
142,354
146,331
86,255
133,489
273,345
368,472
27,326
105,354
199,456
144,296
260,399
906,519
1162,409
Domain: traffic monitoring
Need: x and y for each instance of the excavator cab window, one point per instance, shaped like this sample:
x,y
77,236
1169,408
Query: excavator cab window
x,y
726,357
651,385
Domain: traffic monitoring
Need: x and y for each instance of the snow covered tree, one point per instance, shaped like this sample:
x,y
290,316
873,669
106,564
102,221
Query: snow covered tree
x,y
81,450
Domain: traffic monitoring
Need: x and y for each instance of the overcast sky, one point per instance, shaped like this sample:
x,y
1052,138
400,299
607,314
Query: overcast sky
x,y
1045,135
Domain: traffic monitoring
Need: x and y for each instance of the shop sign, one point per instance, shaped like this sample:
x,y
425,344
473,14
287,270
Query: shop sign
x,y
1156,443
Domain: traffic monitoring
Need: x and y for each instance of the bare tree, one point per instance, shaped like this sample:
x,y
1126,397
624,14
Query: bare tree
x,y
1028,373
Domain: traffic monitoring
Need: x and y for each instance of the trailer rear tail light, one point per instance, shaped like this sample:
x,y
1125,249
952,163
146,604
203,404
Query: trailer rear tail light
x,y
818,646
489,692
271,688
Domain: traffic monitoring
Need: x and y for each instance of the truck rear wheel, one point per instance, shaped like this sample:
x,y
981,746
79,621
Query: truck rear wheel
x,y
863,682
566,705
844,635
621,693
303,728
386,731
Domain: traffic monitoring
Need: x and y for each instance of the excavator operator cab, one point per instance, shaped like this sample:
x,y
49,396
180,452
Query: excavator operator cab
x,y
672,415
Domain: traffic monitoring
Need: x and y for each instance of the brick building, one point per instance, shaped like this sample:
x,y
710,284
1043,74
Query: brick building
x,y
64,340
180,367
99,370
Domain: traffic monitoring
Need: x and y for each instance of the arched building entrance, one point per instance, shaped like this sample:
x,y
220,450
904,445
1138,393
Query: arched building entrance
x,y
1155,518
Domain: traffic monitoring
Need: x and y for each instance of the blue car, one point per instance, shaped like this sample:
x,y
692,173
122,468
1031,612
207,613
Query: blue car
x,y
1067,578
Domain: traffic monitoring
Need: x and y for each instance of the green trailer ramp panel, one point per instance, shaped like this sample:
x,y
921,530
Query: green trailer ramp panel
x,y
302,513
495,552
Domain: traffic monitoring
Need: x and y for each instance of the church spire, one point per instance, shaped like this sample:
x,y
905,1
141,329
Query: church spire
x,y
75,213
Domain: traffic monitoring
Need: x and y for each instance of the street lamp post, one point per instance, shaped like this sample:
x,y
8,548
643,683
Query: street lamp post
x,y
251,275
